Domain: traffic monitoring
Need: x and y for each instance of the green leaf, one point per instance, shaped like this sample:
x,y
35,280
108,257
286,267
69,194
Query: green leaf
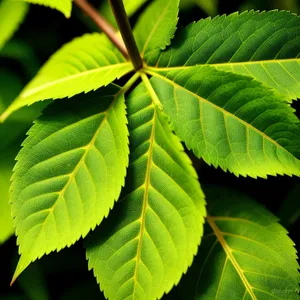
x,y
231,121
264,46
83,65
12,14
131,7
69,172
245,253
152,234
64,6
156,26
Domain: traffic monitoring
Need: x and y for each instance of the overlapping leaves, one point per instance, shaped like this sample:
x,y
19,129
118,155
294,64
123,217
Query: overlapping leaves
x,y
231,121
150,238
245,253
265,46
69,172
218,87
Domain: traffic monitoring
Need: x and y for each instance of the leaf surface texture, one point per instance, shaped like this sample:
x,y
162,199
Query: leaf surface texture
x,y
245,253
64,6
264,46
69,172
231,121
85,64
151,236
156,26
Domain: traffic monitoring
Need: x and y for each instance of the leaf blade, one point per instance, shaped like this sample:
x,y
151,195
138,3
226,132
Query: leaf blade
x,y
242,239
128,250
156,27
85,64
64,6
247,119
264,46
69,172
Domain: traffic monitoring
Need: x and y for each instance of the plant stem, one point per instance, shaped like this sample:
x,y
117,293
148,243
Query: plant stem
x,y
100,21
126,31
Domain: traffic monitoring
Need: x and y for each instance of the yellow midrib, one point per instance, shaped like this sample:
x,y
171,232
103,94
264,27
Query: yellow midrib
x,y
222,110
73,174
145,203
230,256
226,64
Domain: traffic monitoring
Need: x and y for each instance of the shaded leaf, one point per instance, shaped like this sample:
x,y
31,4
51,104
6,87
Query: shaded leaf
x,y
151,236
289,212
231,121
69,172
245,253
12,14
83,65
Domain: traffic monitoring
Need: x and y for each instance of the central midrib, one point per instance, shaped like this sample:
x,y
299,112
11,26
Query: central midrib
x,y
229,255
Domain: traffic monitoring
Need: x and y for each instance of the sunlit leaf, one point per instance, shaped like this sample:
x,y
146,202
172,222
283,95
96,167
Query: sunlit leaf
x,y
69,172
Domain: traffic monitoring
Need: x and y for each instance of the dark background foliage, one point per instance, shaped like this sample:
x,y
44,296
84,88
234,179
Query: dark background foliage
x,y
64,275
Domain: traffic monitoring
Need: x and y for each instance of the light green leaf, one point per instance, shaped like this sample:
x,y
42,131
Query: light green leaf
x,y
152,234
265,46
12,14
156,26
69,172
245,254
131,7
64,6
83,65
231,121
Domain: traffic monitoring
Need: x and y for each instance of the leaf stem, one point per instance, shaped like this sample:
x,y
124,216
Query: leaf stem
x,y
151,91
130,83
103,24
126,31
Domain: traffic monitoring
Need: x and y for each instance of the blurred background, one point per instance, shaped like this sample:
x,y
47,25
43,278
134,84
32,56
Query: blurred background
x,y
65,275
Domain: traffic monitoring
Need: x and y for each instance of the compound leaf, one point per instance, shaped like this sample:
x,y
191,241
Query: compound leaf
x,y
244,254
156,26
12,13
231,120
69,172
83,65
64,6
151,236
265,46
